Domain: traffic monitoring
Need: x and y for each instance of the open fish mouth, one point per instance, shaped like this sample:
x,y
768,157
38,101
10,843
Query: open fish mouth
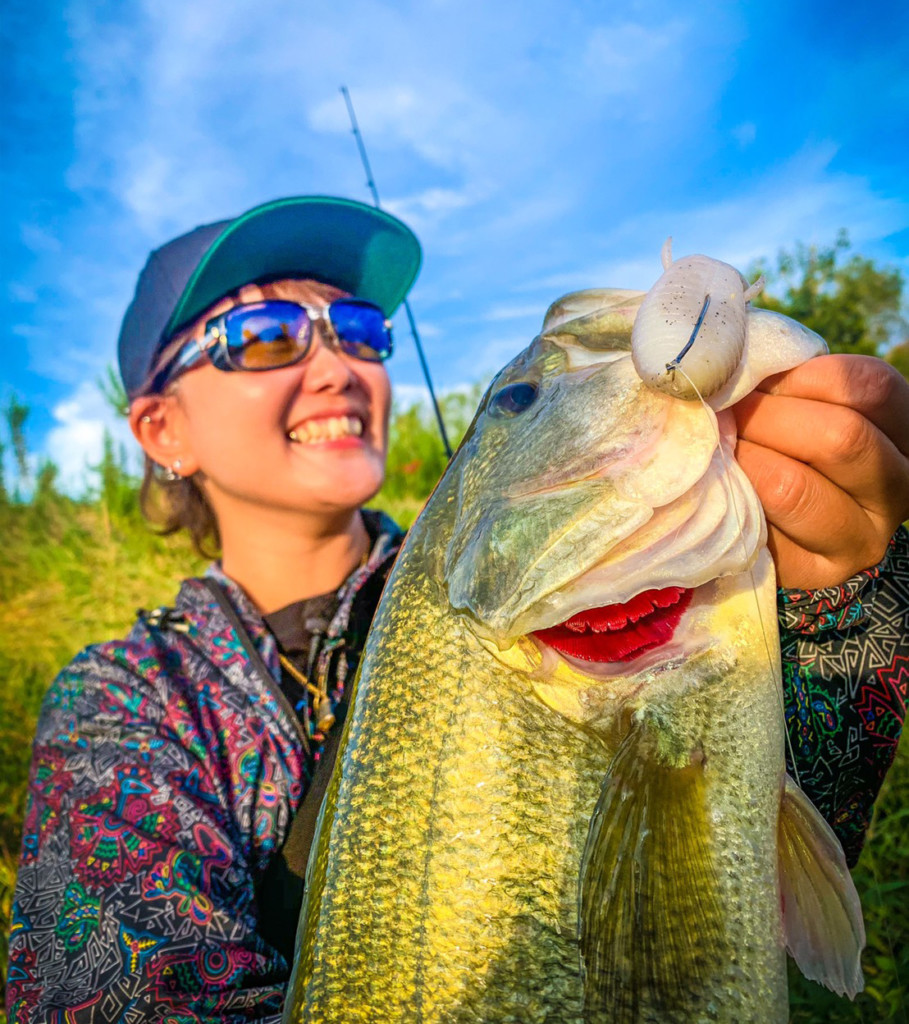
x,y
620,632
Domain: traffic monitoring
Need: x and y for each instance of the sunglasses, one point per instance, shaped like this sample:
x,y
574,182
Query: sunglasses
x,y
275,333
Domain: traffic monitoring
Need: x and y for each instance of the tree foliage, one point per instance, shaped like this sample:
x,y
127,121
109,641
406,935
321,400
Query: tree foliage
x,y
113,392
899,357
416,458
16,413
854,304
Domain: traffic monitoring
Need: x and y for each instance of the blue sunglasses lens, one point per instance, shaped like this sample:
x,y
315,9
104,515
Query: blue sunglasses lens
x,y
272,334
266,335
361,328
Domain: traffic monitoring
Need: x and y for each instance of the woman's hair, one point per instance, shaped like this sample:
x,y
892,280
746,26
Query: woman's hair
x,y
179,504
171,503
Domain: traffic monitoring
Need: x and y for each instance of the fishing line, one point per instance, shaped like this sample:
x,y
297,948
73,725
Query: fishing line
x,y
772,662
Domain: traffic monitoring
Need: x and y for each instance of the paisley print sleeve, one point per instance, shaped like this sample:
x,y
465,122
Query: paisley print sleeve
x,y
845,676
134,899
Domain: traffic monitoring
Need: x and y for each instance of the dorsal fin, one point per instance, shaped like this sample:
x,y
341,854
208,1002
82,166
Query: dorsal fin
x,y
651,926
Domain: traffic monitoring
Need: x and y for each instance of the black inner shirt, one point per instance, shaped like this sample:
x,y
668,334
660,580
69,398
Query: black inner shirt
x,y
300,629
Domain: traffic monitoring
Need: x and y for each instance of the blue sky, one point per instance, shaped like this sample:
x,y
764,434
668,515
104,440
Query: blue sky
x,y
536,147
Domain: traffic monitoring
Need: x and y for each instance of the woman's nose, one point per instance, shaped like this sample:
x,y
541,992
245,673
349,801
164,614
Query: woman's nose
x,y
327,368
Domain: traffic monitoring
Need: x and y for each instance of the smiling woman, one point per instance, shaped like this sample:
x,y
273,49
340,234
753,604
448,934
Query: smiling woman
x,y
291,454
177,774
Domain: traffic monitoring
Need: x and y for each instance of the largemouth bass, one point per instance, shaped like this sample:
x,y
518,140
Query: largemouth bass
x,y
561,795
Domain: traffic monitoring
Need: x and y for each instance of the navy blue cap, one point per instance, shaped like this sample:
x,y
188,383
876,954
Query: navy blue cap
x,y
359,248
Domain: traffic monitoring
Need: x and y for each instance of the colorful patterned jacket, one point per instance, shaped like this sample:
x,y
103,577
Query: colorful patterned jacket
x,y
167,770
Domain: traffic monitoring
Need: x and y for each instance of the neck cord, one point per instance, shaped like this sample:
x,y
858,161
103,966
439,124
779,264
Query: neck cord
x,y
322,708
324,714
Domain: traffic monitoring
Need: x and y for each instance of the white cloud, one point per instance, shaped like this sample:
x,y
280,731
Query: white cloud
x,y
442,120
39,239
426,329
745,133
76,442
164,195
406,395
537,148
431,203
800,199
498,313
625,57
24,293
26,331
491,354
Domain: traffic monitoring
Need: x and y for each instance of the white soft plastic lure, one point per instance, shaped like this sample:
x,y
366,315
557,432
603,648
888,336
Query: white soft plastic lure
x,y
690,333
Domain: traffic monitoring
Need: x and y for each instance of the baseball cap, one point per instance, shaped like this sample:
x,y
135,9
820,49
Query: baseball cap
x,y
342,242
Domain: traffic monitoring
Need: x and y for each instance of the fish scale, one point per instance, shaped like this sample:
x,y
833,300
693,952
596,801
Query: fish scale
x,y
446,944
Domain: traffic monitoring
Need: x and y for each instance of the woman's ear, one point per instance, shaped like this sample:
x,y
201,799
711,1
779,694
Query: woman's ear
x,y
157,424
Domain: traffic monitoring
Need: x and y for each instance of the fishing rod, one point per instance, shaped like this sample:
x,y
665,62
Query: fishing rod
x,y
413,326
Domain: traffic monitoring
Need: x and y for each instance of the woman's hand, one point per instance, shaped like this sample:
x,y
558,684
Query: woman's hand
x,y
826,446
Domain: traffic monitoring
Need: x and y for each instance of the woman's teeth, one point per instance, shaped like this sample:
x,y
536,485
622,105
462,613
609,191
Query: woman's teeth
x,y
329,428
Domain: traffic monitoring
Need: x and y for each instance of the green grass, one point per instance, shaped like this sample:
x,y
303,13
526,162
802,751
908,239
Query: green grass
x,y
882,881
73,572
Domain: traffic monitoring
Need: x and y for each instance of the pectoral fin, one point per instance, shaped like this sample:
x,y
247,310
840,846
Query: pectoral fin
x,y
650,921
822,916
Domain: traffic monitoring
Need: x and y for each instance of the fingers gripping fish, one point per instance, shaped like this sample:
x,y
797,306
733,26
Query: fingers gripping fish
x,y
562,792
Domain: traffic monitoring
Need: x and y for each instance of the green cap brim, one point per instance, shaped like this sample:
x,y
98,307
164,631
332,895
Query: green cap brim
x,y
359,248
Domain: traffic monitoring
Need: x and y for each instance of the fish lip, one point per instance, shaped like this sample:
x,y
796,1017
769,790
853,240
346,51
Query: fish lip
x,y
724,557
618,634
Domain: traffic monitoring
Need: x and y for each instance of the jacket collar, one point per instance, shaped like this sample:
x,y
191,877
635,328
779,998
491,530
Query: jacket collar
x,y
210,627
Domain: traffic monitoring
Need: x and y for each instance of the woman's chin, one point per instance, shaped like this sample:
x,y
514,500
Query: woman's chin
x,y
347,487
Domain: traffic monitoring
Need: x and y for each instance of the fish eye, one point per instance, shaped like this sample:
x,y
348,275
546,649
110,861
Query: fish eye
x,y
513,398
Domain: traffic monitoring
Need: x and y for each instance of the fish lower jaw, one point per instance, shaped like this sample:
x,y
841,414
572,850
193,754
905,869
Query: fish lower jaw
x,y
625,678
